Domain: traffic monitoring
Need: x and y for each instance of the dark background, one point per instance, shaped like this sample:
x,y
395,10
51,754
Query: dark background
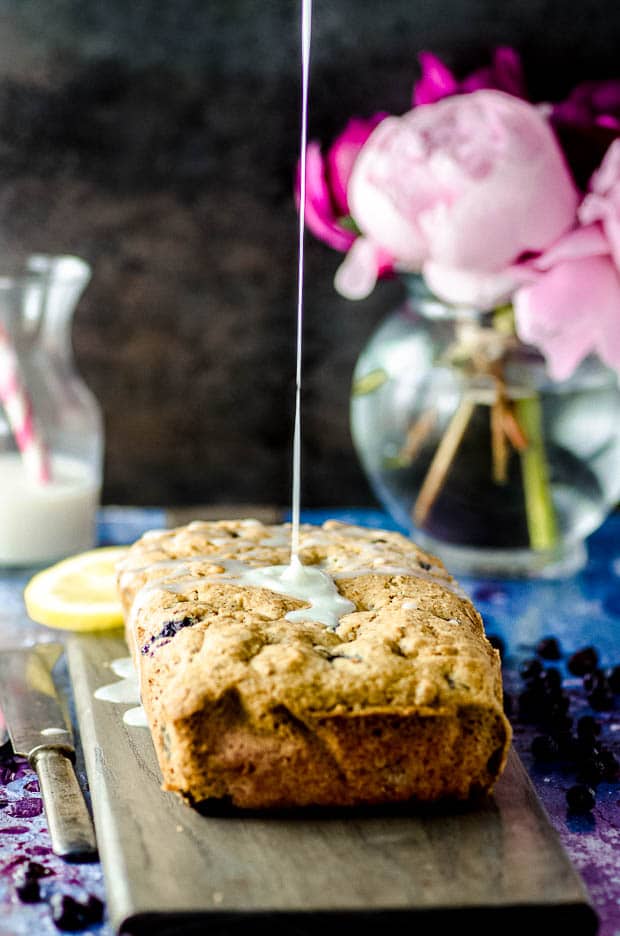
x,y
157,139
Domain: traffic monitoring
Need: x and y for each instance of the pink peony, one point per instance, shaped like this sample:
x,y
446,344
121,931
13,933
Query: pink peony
x,y
591,103
437,81
458,190
586,123
327,178
573,307
602,203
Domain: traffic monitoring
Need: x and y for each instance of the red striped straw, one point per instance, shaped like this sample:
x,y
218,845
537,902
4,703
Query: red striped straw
x,y
20,415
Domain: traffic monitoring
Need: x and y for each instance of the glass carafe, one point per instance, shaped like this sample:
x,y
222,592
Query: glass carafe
x,y
51,430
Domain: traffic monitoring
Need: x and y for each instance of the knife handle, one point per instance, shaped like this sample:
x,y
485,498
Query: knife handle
x,y
70,825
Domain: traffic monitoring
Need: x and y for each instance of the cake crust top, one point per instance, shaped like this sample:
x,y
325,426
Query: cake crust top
x,y
413,643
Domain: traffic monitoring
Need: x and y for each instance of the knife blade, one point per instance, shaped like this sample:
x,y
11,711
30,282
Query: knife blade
x,y
40,729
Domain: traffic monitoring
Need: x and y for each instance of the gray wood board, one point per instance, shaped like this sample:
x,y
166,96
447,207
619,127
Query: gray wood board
x,y
170,869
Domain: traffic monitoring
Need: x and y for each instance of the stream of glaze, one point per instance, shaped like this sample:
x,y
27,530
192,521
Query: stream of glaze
x,y
308,583
306,28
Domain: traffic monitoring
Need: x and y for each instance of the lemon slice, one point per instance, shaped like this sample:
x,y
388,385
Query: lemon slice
x,y
78,593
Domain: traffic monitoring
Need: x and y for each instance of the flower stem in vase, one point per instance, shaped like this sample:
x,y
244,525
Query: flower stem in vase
x,y
416,437
499,441
541,519
442,460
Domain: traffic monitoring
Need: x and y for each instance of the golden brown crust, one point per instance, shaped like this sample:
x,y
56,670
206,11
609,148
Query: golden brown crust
x,y
402,701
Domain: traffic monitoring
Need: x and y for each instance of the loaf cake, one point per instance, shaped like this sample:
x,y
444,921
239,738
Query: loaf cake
x,y
252,701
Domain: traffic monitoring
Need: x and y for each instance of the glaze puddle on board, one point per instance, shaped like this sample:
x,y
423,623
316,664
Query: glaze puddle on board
x,y
125,691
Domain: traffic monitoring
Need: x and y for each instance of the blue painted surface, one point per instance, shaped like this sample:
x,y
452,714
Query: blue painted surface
x,y
581,610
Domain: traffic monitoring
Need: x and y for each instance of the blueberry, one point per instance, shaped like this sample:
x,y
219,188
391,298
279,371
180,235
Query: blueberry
x,y
591,770
613,679
26,879
583,661
557,703
601,699
580,798
530,669
71,915
544,749
594,680
67,913
588,727
168,630
28,890
557,722
567,746
585,749
529,702
609,764
36,870
549,649
552,679
94,908
31,871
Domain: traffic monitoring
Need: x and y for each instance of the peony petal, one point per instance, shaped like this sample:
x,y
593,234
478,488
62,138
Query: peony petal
x,y
605,96
515,194
476,289
357,275
471,183
436,82
504,74
571,311
509,74
608,174
320,216
571,113
381,170
591,102
343,153
579,243
603,201
608,121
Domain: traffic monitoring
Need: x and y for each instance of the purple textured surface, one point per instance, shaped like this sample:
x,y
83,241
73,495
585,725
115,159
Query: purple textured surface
x,y
24,838
580,611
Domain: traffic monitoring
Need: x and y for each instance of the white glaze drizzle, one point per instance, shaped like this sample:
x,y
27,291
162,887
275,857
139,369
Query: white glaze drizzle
x,y
136,717
125,691
306,22
295,580
307,583
315,584
123,667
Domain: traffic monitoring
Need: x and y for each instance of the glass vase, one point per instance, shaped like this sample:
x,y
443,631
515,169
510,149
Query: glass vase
x,y
51,432
474,450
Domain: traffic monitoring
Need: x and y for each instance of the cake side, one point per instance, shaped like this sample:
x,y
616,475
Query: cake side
x,y
402,700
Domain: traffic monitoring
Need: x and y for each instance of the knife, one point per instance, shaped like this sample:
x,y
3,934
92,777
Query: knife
x,y
40,729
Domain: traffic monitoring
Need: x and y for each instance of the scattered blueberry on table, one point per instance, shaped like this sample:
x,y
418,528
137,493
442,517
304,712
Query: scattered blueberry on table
x,y
73,915
573,742
548,649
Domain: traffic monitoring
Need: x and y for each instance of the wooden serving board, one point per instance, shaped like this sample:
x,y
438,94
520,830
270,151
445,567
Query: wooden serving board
x,y
170,870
